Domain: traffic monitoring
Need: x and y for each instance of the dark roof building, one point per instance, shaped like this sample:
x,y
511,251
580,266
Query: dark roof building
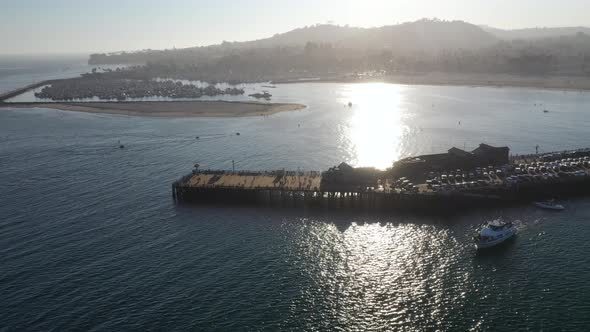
x,y
493,155
459,153
344,176
455,158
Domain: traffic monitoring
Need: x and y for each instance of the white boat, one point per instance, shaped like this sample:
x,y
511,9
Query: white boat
x,y
494,233
550,205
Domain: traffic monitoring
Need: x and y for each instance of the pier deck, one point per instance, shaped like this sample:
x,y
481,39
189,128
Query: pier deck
x,y
345,186
306,189
257,181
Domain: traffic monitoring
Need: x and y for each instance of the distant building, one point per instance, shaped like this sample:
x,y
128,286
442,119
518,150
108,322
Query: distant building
x,y
455,158
492,155
344,176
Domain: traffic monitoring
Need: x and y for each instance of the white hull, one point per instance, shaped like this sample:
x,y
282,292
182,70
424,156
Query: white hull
x,y
555,207
491,243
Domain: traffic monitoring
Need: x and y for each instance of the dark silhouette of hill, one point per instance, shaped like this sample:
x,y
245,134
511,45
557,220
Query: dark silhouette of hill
x,y
330,51
321,33
423,35
426,35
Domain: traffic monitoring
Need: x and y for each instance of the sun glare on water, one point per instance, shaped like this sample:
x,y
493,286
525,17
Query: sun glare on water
x,y
375,127
379,276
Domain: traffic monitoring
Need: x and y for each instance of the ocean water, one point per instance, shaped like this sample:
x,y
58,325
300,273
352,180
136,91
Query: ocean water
x,y
19,70
90,238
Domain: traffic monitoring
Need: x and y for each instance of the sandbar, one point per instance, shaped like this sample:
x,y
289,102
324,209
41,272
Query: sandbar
x,y
167,108
549,82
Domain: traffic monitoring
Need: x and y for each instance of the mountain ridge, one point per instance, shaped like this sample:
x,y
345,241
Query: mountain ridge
x,y
534,33
336,51
447,35
429,35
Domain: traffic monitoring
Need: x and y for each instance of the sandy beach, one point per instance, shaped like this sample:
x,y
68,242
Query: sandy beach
x,y
495,80
168,108
578,83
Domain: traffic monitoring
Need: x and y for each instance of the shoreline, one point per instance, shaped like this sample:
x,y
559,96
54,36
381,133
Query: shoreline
x,y
562,83
166,109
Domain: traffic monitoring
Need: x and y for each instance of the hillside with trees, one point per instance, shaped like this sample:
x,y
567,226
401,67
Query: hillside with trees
x,y
334,51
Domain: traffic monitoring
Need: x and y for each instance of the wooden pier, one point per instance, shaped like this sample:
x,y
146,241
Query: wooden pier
x,y
192,189
367,188
299,189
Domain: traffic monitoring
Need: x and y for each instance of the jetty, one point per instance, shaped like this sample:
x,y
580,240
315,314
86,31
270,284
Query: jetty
x,y
13,93
442,183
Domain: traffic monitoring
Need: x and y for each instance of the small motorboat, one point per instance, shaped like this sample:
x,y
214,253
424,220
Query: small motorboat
x,y
550,205
494,233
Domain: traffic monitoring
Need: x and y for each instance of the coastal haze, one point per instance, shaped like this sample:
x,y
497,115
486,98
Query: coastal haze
x,y
408,51
92,240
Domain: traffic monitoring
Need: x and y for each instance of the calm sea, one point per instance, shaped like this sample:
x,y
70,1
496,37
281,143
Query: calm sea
x,y
91,240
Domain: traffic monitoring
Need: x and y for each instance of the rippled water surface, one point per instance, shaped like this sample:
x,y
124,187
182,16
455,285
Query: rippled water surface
x,y
90,237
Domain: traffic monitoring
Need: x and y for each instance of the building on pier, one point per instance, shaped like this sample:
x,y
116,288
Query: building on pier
x,y
455,158
347,186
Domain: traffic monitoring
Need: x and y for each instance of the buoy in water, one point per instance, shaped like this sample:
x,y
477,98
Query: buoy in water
x,y
197,137
237,134
121,146
349,104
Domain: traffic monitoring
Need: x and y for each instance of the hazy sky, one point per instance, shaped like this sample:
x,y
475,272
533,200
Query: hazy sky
x,y
81,26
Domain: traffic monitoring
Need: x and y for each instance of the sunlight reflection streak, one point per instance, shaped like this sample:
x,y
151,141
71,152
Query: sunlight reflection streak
x,y
376,126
